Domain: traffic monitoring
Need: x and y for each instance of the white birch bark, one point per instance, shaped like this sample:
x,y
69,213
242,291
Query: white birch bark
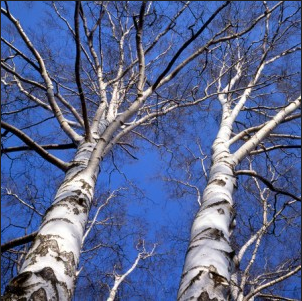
x,y
49,269
208,264
209,260
251,144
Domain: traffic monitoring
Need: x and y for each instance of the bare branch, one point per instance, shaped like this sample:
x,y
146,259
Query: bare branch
x,y
47,146
267,183
77,71
73,33
21,54
38,149
49,86
271,148
251,144
18,242
268,284
10,193
275,297
100,208
120,278
185,45
139,48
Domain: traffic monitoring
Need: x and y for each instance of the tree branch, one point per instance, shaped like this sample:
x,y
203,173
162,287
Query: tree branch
x,y
268,149
187,43
120,278
275,297
139,48
18,242
254,129
44,74
21,54
36,147
77,71
268,284
251,144
47,146
267,183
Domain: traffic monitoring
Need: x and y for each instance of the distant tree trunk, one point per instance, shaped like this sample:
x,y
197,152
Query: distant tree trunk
x,y
209,263
49,269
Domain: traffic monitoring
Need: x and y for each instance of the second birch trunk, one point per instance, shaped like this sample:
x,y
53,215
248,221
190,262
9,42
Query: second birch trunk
x,y
209,259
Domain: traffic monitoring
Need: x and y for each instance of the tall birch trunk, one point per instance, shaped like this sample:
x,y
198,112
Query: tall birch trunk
x,y
209,261
49,269
208,264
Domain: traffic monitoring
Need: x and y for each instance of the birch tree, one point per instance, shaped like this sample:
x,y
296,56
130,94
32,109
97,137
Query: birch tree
x,y
106,72
242,73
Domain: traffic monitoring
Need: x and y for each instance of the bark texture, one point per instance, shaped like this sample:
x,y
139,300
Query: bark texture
x,y
209,258
49,269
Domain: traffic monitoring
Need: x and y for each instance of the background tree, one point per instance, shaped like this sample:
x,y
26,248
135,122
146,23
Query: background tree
x,y
100,80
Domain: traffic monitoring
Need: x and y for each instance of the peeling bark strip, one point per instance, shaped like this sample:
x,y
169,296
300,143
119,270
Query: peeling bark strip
x,y
49,269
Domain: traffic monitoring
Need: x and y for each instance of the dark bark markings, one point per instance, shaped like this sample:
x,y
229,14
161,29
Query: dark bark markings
x,y
17,287
217,201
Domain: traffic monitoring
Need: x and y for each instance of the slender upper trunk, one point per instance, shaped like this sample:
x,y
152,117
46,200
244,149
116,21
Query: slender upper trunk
x,y
210,260
49,269
208,265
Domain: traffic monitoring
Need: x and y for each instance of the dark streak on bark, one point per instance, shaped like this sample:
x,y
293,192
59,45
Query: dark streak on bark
x,y
59,204
47,244
18,290
220,211
218,182
66,202
86,186
210,233
62,219
49,276
192,247
220,203
194,279
204,230
16,286
76,211
75,164
205,297
194,268
38,295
